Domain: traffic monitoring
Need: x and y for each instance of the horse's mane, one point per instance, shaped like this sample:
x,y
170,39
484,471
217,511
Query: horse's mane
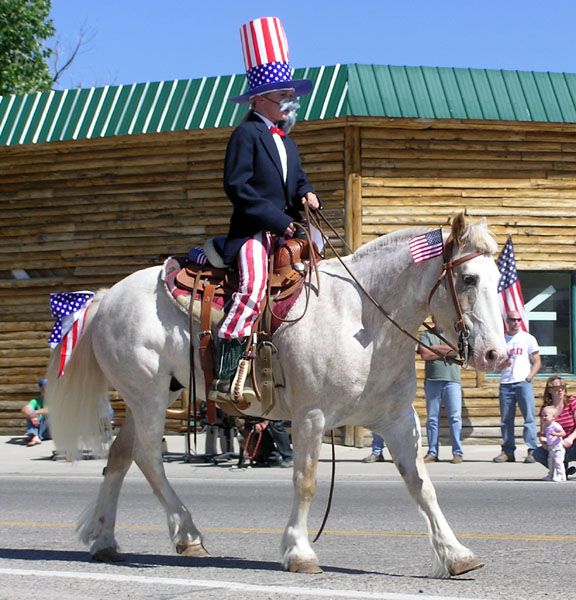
x,y
476,235
390,240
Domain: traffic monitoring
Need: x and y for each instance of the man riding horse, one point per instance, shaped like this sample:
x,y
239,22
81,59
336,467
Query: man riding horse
x,y
264,181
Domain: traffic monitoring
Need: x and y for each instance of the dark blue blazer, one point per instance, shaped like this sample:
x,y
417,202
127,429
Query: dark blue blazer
x,y
254,184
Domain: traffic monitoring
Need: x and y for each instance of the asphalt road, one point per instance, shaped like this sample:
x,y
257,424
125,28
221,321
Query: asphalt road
x,y
374,546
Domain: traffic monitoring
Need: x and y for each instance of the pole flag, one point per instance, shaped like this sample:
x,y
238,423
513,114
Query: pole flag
x,y
509,288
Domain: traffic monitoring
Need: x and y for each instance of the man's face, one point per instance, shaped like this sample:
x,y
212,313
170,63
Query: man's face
x,y
513,321
269,105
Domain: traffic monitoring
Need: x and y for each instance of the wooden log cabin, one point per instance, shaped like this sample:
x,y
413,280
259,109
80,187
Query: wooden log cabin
x,y
96,183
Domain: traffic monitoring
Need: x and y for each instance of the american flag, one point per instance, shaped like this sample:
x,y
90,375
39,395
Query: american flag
x,y
509,288
69,310
427,245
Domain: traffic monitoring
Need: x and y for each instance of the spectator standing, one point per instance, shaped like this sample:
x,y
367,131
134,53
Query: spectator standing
x,y
556,396
516,388
36,417
377,454
553,434
441,386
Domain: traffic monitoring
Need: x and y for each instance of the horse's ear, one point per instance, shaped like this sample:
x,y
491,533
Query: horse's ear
x,y
458,227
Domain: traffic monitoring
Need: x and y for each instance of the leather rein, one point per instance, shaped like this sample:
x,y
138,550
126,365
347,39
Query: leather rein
x,y
447,274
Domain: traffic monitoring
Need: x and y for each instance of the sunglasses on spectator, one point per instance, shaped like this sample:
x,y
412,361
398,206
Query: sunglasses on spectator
x,y
557,388
513,319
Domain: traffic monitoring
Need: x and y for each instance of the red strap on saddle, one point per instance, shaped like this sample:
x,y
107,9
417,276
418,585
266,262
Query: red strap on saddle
x,y
205,350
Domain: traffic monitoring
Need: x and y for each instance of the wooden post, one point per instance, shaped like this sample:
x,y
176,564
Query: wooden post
x,y
353,224
359,437
353,181
349,435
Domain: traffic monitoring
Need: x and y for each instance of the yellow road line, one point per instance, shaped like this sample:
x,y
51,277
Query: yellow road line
x,y
334,532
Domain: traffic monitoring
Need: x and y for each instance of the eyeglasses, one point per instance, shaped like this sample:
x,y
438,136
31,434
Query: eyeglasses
x,y
513,319
557,388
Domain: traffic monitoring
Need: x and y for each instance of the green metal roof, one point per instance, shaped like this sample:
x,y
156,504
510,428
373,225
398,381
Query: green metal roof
x,y
339,91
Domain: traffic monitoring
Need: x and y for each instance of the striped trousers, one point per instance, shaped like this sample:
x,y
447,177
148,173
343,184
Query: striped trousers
x,y
253,275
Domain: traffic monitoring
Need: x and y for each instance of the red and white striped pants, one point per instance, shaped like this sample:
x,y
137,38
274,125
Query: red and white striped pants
x,y
253,275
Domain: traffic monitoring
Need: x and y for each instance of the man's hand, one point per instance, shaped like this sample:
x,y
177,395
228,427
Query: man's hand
x,y
289,231
311,199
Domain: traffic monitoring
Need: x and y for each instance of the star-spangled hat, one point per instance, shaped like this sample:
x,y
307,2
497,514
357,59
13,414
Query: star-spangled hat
x,y
265,50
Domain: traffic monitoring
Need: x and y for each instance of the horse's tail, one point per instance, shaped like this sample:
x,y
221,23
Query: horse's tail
x,y
77,402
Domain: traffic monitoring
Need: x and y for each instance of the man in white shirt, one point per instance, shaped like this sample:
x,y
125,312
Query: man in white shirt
x,y
516,388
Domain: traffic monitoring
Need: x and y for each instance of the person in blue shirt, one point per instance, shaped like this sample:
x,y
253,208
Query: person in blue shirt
x,y
36,417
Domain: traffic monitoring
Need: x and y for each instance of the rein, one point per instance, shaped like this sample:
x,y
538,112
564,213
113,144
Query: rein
x,y
447,269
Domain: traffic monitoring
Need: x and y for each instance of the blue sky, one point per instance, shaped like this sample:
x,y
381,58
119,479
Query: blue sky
x,y
151,40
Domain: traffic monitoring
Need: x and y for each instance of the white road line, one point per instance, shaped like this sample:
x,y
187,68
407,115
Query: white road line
x,y
228,585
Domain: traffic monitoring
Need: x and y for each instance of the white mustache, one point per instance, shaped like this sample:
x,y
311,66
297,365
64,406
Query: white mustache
x,y
289,107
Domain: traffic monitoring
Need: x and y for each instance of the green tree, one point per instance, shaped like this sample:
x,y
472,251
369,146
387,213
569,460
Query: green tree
x,y
24,26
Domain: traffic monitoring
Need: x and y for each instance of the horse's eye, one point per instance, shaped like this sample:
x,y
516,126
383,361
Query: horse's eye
x,y
469,280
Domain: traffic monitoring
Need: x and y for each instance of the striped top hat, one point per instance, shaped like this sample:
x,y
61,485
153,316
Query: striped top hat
x,y
265,50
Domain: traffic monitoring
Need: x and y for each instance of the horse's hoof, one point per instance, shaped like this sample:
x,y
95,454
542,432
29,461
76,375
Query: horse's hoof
x,y
108,555
194,551
310,567
464,566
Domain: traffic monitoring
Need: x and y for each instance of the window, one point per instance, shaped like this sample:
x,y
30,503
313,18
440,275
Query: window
x,y
548,300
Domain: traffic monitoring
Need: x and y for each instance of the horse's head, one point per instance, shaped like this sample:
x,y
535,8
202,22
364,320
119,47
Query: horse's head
x,y
465,306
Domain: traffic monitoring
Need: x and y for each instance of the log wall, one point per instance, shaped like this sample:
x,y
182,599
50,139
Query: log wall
x,y
81,215
520,177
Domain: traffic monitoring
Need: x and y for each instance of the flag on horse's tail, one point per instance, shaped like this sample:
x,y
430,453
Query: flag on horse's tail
x,y
69,309
509,288
426,246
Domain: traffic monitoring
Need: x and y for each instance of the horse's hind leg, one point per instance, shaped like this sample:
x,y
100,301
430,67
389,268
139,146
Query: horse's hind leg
x,y
297,554
403,441
148,456
96,526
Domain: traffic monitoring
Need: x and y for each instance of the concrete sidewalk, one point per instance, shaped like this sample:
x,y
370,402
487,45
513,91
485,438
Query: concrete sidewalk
x,y
16,459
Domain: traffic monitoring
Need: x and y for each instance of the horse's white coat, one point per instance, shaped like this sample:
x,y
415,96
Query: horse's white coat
x,y
344,364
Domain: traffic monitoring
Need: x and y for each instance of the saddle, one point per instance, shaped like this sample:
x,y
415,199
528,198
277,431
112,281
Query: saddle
x,y
289,266
212,284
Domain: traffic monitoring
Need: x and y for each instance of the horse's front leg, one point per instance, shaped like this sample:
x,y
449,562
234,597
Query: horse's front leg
x,y
403,440
297,554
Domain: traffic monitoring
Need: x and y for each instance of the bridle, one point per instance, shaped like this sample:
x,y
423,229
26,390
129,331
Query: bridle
x,y
448,275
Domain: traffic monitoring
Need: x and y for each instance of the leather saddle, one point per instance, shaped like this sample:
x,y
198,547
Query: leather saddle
x,y
288,268
289,265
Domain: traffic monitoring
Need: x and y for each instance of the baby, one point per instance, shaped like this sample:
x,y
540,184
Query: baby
x,y
554,433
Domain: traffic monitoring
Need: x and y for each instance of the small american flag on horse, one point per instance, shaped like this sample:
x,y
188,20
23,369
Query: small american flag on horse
x,y
69,310
426,246
509,289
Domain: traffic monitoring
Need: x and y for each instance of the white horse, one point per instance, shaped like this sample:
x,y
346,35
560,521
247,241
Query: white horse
x,y
343,363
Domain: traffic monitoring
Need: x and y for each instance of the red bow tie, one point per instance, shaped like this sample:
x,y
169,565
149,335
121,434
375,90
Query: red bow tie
x,y
277,130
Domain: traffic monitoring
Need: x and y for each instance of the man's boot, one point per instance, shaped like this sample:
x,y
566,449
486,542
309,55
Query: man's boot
x,y
229,355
